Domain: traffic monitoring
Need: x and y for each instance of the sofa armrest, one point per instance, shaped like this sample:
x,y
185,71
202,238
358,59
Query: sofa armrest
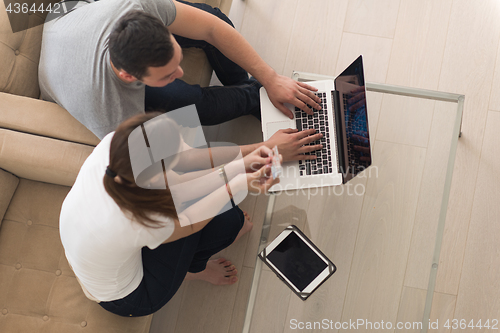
x,y
8,184
40,158
42,118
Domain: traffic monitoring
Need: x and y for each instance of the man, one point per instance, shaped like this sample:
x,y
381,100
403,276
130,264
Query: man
x,y
108,60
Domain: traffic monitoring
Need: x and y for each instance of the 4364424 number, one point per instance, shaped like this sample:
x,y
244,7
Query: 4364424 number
x,y
25,8
463,324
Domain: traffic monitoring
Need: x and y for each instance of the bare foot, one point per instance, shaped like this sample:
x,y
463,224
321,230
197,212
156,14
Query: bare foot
x,y
218,271
247,226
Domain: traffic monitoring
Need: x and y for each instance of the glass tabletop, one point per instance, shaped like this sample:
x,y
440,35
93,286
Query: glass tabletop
x,y
382,229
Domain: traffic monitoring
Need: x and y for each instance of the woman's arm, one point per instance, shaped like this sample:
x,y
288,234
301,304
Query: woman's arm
x,y
197,216
196,184
202,158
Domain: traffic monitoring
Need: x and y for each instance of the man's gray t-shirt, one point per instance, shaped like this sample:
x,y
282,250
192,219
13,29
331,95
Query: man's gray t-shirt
x,y
75,70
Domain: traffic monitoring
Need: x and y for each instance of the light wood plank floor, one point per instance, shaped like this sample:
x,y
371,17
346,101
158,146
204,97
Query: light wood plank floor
x,y
446,45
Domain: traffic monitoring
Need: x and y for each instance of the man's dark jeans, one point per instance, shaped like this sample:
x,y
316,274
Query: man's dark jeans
x,y
166,266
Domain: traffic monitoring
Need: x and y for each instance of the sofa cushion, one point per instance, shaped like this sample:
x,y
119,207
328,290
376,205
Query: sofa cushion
x,y
39,293
196,67
51,120
20,53
8,184
42,159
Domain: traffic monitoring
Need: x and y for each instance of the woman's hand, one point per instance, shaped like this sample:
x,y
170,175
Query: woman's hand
x,y
258,158
292,143
261,180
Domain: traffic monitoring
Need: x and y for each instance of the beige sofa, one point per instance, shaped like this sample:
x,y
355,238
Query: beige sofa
x,y
42,147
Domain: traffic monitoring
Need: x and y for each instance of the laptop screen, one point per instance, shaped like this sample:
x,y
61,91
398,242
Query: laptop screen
x,y
354,145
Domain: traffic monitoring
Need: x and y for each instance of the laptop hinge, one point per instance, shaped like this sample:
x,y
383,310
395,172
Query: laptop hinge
x,y
339,141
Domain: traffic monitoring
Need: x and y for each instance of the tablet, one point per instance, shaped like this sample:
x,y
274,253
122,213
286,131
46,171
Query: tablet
x,y
297,262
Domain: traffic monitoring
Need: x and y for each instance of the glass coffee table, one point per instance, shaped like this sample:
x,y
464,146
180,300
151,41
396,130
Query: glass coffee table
x,y
383,229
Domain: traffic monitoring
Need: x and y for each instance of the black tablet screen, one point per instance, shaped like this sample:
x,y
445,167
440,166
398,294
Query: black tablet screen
x,y
297,261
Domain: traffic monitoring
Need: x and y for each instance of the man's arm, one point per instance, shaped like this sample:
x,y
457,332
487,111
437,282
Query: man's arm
x,y
227,40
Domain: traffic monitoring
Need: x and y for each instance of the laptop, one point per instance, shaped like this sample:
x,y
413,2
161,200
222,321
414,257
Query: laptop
x,y
343,120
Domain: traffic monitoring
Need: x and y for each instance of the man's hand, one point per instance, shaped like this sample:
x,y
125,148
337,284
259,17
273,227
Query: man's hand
x,y
285,90
291,143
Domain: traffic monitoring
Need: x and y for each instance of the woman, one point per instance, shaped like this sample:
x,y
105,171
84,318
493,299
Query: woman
x,y
125,243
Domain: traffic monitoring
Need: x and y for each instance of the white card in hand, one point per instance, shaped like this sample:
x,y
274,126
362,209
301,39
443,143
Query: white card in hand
x,y
276,168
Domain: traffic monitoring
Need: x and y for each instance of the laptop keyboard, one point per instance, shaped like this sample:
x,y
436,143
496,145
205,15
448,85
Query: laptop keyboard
x,y
319,121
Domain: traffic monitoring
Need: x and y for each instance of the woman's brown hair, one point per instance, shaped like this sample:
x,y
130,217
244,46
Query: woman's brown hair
x,y
140,202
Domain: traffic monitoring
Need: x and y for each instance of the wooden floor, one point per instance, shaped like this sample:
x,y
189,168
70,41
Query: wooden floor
x,y
446,45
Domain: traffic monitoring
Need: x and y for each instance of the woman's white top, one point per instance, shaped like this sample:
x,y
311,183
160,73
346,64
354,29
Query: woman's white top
x,y
102,243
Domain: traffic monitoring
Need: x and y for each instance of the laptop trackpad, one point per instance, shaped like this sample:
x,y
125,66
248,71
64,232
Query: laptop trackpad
x,y
276,126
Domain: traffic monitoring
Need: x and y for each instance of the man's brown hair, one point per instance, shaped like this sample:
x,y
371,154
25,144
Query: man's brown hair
x,y
138,41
